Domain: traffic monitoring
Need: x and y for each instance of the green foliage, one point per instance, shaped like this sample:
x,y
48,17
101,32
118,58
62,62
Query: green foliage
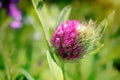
x,y
64,14
23,52
102,26
26,74
55,69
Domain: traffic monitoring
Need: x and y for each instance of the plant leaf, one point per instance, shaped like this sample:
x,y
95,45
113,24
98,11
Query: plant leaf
x,y
40,4
96,50
26,74
42,13
102,26
64,14
55,69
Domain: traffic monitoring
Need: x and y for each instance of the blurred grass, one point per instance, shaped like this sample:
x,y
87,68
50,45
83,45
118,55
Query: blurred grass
x,y
25,48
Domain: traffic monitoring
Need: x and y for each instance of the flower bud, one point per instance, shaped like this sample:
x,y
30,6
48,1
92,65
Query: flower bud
x,y
73,40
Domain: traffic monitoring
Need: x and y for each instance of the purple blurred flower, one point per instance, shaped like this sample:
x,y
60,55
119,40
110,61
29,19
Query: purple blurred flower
x,y
14,12
73,40
15,24
0,4
14,1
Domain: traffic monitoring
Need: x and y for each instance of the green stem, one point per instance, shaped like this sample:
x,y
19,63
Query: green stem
x,y
45,34
63,70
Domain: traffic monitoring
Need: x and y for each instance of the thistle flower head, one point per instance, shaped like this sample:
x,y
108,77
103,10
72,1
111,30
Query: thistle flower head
x,y
73,40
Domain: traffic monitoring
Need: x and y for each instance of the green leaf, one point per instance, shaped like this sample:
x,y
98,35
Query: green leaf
x,y
28,52
55,69
64,14
26,74
97,50
42,13
40,4
2,66
102,26
86,67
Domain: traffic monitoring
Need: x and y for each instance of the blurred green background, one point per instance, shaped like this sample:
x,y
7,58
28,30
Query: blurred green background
x,y
23,51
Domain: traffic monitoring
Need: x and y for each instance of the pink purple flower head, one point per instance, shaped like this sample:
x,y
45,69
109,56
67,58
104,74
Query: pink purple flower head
x,y
13,11
73,40
66,40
